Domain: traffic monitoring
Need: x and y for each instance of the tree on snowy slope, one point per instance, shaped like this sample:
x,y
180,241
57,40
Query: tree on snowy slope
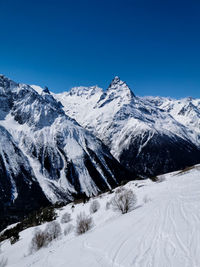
x,y
124,200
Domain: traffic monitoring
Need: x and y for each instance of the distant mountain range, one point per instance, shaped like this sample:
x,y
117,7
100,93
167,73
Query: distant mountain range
x,y
55,147
147,135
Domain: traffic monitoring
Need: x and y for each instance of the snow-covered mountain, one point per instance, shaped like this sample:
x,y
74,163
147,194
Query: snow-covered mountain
x,y
148,135
57,146
186,111
45,156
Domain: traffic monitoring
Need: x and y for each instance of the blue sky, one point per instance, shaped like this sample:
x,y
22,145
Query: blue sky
x,y
153,45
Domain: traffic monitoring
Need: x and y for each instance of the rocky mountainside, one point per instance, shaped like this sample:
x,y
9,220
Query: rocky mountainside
x,y
45,156
186,111
147,135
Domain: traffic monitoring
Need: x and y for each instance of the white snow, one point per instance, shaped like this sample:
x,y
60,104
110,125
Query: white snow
x,y
116,116
45,123
186,111
163,230
37,88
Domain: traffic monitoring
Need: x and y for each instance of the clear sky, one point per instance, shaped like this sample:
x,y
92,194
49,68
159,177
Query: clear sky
x,y
154,45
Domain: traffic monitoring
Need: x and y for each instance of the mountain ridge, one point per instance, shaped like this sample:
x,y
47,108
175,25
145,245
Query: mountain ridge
x,y
63,158
87,141
119,118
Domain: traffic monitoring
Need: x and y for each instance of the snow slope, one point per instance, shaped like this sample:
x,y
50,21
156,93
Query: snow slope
x,y
162,231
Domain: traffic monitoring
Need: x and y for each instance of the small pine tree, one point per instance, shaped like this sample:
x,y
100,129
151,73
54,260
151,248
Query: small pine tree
x,y
14,238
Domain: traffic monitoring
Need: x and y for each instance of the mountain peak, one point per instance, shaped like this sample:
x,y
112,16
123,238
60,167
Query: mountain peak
x,y
6,83
117,91
116,79
119,86
46,90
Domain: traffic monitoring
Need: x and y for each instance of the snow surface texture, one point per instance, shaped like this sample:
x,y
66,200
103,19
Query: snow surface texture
x,y
162,231
148,134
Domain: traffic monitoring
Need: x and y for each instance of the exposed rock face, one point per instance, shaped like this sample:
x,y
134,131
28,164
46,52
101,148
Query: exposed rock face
x,y
20,193
147,135
45,156
54,147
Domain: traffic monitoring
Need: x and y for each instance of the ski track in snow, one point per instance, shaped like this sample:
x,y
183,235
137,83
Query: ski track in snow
x,y
163,232
162,240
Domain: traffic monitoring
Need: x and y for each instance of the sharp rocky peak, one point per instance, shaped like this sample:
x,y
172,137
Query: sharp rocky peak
x,y
6,83
117,85
46,90
9,87
119,92
116,80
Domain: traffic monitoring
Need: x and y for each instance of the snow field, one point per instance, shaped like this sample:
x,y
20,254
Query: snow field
x,y
163,230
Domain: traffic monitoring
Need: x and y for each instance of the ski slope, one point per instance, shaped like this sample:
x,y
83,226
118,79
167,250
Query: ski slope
x,y
162,231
